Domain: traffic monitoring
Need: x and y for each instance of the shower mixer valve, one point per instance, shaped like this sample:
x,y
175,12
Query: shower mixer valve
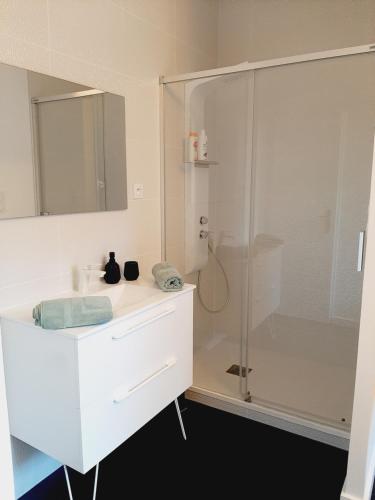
x,y
203,235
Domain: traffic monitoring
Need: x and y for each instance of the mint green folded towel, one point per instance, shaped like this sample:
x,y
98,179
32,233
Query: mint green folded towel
x,y
77,311
167,277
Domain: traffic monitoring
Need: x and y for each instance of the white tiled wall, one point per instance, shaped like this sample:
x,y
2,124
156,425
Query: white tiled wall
x,y
253,30
120,46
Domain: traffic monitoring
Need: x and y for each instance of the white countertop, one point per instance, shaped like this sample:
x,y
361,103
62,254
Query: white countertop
x,y
154,296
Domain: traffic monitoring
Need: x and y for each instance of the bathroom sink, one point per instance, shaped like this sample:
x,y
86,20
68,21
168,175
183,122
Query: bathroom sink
x,y
128,300
126,295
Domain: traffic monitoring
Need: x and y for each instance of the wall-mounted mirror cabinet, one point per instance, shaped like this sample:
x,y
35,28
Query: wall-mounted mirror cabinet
x,y
62,146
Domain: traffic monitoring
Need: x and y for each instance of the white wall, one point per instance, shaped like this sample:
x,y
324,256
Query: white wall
x,y
252,30
120,46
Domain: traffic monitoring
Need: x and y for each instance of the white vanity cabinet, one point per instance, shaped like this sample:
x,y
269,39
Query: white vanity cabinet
x,y
77,394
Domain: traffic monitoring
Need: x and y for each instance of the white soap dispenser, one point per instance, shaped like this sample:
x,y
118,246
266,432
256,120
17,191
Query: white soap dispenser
x,y
202,145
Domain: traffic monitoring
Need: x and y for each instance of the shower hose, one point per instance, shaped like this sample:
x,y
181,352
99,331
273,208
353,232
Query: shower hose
x,y
205,307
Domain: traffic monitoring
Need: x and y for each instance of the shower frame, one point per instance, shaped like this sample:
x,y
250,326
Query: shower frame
x,y
274,417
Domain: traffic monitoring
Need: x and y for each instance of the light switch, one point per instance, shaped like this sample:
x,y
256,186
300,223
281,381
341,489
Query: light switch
x,y
137,191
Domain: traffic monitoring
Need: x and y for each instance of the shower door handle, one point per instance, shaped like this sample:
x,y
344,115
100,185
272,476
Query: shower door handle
x,y
361,250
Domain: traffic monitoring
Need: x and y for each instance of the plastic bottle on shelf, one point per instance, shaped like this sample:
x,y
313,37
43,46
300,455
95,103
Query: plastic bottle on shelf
x,y
193,146
202,145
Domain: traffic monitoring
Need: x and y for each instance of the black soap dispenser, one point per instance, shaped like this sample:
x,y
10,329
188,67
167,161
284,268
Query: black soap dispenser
x,y
112,270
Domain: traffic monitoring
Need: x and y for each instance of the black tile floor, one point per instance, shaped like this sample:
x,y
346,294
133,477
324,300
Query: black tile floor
x,y
228,456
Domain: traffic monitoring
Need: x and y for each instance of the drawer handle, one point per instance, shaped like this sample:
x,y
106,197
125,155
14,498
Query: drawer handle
x,y
143,323
123,394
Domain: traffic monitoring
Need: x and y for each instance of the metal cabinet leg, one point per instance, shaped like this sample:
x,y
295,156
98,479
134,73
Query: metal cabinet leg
x,y
95,482
68,483
180,418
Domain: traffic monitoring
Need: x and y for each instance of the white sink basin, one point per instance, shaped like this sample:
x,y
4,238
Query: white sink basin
x,y
125,295
127,299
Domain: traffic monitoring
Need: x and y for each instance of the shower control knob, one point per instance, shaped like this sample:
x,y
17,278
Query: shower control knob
x,y
203,235
203,220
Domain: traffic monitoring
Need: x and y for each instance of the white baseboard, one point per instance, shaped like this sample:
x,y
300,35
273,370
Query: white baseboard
x,y
347,496
296,425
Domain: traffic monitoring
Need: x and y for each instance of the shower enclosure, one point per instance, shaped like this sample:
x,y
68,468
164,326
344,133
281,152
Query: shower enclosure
x,y
272,227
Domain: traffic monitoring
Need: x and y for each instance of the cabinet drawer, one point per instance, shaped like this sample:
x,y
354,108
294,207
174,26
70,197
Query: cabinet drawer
x,y
115,362
107,425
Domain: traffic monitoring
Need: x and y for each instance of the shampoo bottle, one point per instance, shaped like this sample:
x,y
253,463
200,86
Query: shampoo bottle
x,y
112,270
193,146
202,145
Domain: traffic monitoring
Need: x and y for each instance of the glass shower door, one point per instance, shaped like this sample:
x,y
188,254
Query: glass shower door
x,y
312,154
219,192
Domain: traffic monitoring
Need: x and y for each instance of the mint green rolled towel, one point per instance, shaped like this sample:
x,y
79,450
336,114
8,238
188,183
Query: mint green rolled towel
x,y
76,311
167,277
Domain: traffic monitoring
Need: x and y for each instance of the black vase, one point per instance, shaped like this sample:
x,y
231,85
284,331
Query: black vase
x,y
112,270
131,270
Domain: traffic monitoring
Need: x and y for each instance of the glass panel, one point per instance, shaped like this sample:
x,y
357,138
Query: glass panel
x,y
222,107
313,138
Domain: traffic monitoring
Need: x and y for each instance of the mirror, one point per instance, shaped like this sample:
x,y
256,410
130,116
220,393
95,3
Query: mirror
x,y
62,146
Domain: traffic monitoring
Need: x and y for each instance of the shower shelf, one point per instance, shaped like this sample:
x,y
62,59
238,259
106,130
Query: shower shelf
x,y
202,163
